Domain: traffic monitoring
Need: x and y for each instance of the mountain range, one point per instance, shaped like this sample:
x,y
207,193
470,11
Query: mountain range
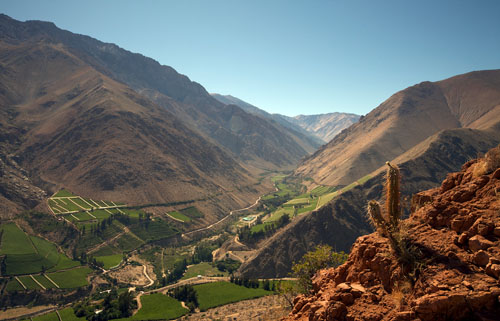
x,y
321,128
100,120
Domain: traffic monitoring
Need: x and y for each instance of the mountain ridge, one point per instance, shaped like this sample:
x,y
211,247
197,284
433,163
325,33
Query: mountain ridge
x,y
401,122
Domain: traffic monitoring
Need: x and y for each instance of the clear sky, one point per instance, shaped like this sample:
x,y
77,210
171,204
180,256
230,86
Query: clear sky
x,y
292,57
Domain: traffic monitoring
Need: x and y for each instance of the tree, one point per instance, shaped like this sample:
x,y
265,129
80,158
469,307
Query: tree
x,y
125,304
322,257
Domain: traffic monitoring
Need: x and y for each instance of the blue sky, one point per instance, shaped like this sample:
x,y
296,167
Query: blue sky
x,y
293,57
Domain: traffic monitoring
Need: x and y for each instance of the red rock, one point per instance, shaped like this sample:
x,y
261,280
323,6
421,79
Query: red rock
x,y
478,242
481,258
493,270
404,316
457,223
344,287
496,231
347,298
463,238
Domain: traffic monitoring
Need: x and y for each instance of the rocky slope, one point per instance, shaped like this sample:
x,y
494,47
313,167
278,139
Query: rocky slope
x,y
343,220
455,228
250,139
404,120
325,126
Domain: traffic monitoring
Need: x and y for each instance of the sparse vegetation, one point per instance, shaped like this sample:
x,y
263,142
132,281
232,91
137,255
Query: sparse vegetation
x,y
389,225
322,257
489,163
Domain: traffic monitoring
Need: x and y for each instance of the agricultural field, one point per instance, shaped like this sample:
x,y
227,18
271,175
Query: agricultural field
x,y
180,216
29,282
69,315
158,306
110,260
191,212
204,268
219,293
52,316
280,212
69,279
298,202
65,202
29,254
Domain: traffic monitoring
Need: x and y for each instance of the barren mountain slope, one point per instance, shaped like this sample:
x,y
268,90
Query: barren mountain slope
x,y
307,140
455,229
343,220
77,128
253,140
404,120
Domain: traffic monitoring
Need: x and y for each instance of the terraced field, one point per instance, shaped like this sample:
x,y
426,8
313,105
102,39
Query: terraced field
x,y
73,278
29,254
65,202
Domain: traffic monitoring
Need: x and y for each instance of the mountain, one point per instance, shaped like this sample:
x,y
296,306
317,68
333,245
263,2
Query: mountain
x,y
65,123
245,136
325,126
451,272
404,120
322,127
302,135
423,166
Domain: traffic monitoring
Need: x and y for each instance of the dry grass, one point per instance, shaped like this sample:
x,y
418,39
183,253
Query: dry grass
x,y
399,293
488,164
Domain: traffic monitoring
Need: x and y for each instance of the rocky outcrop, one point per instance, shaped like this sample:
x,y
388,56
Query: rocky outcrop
x,y
456,230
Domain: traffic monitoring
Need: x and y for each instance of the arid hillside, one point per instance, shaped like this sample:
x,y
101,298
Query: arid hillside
x,y
404,120
451,271
67,125
249,139
344,219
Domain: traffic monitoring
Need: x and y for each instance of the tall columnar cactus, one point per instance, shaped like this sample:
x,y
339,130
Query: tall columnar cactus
x,y
389,223
392,195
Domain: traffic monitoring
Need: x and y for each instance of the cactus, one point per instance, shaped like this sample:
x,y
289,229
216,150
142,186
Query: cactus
x,y
392,195
376,218
389,222
389,225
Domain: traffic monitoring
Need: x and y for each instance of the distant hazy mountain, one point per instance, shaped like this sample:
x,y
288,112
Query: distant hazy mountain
x,y
293,128
323,127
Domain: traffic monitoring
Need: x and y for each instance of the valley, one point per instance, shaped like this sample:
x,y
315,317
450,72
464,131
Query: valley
x,y
125,248
129,192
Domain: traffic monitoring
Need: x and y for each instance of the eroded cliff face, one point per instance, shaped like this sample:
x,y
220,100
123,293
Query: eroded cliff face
x,y
456,227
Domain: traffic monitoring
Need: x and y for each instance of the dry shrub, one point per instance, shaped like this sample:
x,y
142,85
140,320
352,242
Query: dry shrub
x,y
399,293
488,164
